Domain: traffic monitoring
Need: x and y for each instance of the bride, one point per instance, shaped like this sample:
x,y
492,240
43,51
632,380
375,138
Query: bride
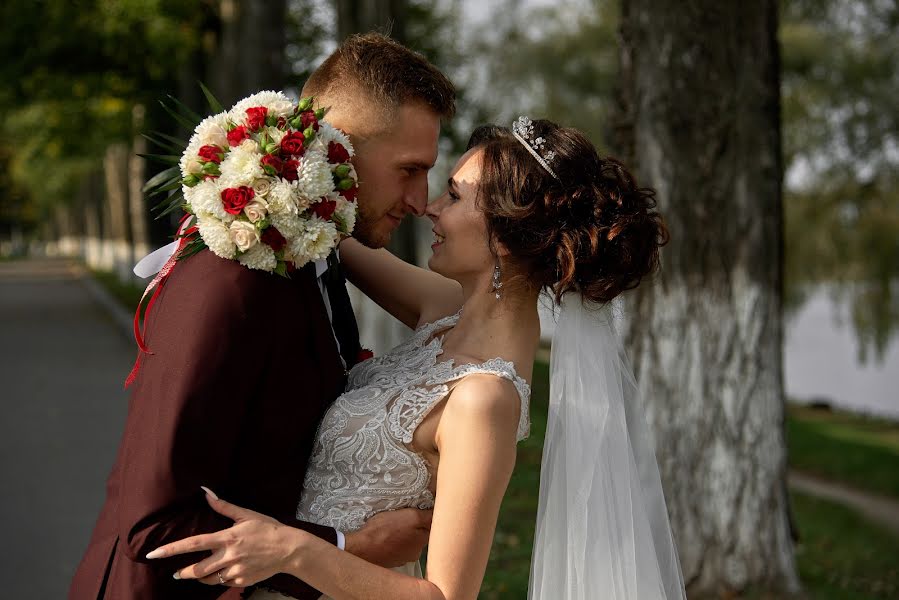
x,y
434,423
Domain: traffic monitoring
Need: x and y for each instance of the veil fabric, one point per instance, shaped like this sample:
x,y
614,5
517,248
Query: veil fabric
x,y
602,525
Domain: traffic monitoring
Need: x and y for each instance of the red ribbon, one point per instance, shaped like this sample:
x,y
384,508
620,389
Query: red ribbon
x,y
157,283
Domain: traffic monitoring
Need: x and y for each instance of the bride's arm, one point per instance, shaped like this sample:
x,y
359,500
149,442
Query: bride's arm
x,y
409,293
476,438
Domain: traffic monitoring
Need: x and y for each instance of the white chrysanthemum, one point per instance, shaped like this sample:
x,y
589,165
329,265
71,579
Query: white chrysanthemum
x,y
346,213
272,100
282,198
190,153
291,227
316,242
328,133
242,165
213,130
206,197
260,257
315,178
216,235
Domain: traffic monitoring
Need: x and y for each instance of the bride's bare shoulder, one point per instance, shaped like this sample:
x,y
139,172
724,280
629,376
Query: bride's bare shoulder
x,y
483,400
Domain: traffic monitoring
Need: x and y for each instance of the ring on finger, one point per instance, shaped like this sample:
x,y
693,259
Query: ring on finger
x,y
221,579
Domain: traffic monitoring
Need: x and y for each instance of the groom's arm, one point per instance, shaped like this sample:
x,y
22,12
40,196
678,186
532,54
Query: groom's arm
x,y
209,337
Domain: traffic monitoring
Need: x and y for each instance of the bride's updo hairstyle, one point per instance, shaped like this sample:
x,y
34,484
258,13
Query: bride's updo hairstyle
x,y
592,230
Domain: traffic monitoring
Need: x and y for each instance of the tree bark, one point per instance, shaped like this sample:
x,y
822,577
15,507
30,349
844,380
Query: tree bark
x,y
701,124
117,252
137,206
252,45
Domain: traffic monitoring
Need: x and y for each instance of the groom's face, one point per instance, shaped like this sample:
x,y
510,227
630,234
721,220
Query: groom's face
x,y
393,173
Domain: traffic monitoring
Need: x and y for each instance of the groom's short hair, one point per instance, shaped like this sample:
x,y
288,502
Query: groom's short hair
x,y
372,71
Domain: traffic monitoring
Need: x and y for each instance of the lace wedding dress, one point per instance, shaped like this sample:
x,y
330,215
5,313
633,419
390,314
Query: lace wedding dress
x,y
362,462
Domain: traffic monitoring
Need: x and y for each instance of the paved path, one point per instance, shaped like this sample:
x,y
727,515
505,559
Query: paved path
x,y
62,363
881,510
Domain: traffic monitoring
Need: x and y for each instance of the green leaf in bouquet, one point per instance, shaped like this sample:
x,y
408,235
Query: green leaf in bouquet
x,y
192,247
166,159
158,138
162,178
185,110
182,120
214,104
170,205
281,269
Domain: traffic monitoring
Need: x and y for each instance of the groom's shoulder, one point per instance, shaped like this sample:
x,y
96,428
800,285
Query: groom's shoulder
x,y
210,278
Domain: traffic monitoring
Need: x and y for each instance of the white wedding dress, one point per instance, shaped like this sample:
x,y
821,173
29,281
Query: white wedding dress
x,y
362,462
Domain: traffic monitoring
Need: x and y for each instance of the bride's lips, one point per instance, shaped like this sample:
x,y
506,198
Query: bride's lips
x,y
439,240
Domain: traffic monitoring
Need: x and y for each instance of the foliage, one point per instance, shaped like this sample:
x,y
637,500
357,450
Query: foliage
x,y
841,145
559,62
83,67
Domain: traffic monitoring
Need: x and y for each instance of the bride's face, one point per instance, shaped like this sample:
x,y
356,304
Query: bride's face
x,y
460,249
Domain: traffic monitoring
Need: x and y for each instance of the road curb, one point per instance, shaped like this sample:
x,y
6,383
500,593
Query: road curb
x,y
123,320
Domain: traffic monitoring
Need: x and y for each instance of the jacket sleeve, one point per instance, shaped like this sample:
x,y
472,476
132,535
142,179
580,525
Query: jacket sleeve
x,y
185,425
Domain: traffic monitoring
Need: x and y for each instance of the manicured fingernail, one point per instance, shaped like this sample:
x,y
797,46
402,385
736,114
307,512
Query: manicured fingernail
x,y
210,492
176,576
158,553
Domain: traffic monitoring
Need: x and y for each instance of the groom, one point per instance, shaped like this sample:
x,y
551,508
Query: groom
x,y
245,363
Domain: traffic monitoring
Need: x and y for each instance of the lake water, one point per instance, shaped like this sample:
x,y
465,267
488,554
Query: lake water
x,y
821,361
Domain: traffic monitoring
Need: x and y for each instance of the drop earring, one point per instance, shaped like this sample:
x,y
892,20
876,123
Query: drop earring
x,y
497,283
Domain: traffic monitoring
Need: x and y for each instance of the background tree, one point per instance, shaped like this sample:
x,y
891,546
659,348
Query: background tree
x,y
700,92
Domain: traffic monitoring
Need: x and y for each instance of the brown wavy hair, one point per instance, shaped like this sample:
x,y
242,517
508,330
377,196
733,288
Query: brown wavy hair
x,y
593,230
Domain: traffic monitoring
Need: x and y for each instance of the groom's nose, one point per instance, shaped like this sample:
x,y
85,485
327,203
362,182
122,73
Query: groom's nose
x,y
416,196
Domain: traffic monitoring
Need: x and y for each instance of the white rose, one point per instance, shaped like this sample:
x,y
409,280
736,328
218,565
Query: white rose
x,y
256,210
244,235
194,166
262,186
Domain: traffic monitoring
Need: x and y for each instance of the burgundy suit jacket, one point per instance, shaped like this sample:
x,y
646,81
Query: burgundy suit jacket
x,y
244,365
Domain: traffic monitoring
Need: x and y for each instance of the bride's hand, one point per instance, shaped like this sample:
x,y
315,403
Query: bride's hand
x,y
255,548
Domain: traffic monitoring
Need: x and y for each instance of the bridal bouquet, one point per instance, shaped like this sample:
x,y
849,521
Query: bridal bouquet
x,y
267,183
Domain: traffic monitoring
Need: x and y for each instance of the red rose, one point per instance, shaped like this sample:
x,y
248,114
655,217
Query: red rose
x,y
256,117
273,238
364,354
350,194
292,143
337,154
211,153
237,135
325,208
235,199
282,123
308,119
289,171
270,160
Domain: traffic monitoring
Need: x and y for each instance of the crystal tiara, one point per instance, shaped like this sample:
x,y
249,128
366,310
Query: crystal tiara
x,y
523,130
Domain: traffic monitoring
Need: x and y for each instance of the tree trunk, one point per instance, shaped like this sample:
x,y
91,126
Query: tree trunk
x,y
702,126
115,224
377,328
252,44
137,206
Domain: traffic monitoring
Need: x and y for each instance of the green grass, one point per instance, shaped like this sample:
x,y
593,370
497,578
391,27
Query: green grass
x,y
841,556
127,294
859,451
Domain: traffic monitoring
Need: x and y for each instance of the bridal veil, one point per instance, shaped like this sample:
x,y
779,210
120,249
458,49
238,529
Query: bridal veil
x,y
602,525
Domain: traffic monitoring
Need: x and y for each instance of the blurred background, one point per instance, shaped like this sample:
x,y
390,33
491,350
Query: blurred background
x,y
769,130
